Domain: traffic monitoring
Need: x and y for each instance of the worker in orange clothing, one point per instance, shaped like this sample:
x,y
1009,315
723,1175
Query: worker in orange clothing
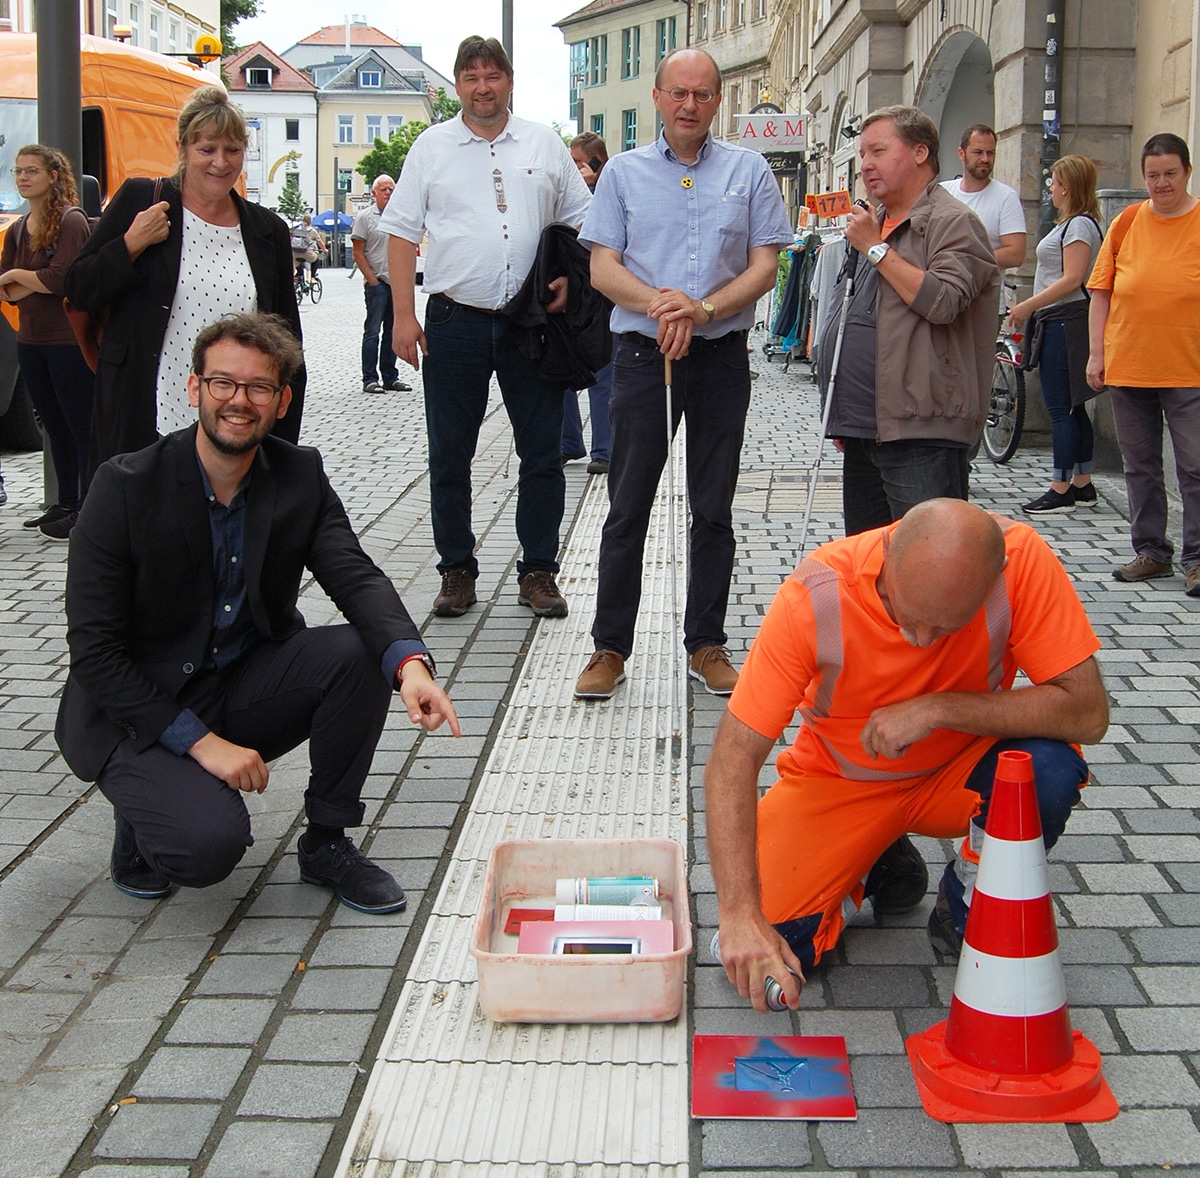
x,y
899,648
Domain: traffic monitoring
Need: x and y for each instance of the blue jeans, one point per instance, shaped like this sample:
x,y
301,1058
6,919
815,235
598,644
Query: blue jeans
x,y
1071,432
465,347
711,386
882,480
1059,773
377,335
598,396
62,388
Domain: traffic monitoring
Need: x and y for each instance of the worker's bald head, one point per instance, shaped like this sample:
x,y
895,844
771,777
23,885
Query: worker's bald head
x,y
941,561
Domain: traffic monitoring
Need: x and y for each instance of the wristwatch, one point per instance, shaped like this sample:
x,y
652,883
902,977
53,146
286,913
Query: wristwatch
x,y
709,309
426,659
877,253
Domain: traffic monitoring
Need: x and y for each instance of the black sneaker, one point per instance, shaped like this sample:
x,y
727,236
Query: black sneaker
x,y
357,882
1085,496
57,512
943,932
131,873
899,880
59,530
1052,500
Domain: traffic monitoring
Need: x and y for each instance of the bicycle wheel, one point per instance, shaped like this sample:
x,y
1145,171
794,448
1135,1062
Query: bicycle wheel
x,y
299,284
1006,413
315,290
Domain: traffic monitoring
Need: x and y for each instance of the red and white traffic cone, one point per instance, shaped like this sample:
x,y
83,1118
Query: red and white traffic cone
x,y
1007,1052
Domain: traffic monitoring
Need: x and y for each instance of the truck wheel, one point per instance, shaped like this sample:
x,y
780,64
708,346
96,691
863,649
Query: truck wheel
x,y
19,427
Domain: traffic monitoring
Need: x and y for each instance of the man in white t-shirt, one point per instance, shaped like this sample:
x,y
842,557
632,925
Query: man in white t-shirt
x,y
995,204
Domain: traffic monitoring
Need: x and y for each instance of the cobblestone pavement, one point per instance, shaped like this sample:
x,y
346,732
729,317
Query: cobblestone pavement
x,y
228,1033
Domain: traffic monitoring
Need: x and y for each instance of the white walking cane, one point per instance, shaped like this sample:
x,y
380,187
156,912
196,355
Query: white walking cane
x,y
676,730
849,270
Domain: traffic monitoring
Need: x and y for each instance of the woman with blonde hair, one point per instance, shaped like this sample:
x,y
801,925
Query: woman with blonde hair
x,y
168,258
37,251
1065,257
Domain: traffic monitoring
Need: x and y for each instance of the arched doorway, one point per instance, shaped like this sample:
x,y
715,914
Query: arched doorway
x,y
956,90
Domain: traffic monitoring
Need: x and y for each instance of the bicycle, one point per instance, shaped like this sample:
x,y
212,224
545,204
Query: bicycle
x,y
1006,405
308,286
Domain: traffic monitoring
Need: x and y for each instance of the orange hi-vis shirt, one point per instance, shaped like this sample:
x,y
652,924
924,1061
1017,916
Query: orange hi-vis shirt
x,y
1152,335
829,649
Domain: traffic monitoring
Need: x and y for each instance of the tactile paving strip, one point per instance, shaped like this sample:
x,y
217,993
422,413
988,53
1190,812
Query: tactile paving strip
x,y
453,1093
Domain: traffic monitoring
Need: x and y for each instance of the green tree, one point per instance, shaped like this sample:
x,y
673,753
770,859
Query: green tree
x,y
292,204
387,159
560,128
233,11
446,107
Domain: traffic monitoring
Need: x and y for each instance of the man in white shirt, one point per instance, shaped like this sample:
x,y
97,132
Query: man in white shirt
x,y
995,204
484,186
369,243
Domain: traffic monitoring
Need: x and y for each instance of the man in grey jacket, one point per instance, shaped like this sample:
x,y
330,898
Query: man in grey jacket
x,y
911,390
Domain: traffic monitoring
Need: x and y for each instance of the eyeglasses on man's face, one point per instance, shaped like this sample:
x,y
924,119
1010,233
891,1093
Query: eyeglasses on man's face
x,y
31,172
222,388
680,94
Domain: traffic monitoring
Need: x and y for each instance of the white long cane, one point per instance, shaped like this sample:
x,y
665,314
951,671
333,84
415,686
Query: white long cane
x,y
676,730
849,267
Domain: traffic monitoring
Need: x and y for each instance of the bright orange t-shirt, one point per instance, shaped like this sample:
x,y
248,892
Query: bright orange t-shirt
x,y
1152,337
794,664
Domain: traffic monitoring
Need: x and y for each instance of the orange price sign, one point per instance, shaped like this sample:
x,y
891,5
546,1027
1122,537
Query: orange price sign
x,y
810,202
833,204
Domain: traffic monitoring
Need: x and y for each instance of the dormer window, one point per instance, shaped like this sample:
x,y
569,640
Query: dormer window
x,y
370,79
259,76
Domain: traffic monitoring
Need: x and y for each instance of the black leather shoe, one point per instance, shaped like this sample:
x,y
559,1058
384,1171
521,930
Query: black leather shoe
x,y
899,880
943,932
131,873
358,883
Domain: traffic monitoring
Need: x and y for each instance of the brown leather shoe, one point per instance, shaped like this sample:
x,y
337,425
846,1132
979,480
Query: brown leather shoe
x,y
711,665
538,591
457,595
1191,585
600,677
1142,568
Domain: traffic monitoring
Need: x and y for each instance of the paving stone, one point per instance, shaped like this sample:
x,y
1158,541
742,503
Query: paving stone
x,y
113,1041
352,947
56,1097
341,989
1166,1137
221,1020
1105,911
1171,1028
297,1091
196,1073
281,935
1150,1081
1123,877
988,1146
1167,945
751,1144
1102,985
158,1131
883,1081
246,973
888,1137
261,1149
1170,985
321,1038
876,986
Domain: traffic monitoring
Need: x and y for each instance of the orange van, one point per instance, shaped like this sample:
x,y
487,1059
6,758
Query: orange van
x,y
131,101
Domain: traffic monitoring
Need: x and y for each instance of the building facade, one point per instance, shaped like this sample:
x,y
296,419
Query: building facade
x,y
280,104
161,27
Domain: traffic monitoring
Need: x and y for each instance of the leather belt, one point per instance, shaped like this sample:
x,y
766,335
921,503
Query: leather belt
x,y
698,342
465,306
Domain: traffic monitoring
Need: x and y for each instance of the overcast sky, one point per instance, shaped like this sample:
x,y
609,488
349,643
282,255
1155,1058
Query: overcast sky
x,y
540,57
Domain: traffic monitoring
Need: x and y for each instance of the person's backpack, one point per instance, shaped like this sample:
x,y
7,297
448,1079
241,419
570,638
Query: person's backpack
x,y
300,240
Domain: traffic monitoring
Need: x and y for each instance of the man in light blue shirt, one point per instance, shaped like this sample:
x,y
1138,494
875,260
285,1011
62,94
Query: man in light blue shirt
x,y
685,235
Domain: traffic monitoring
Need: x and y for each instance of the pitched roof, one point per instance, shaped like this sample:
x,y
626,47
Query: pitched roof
x,y
595,8
285,77
391,79
360,35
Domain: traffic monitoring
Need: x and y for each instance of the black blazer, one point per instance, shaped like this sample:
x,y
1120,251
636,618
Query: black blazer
x,y
140,592
139,295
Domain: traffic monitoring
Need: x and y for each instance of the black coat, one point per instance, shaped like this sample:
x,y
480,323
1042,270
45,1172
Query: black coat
x,y
571,347
140,586
139,297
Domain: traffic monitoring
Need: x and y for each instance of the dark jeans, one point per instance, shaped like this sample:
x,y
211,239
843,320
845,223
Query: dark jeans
x,y
711,387
598,396
1138,414
1058,771
321,685
378,359
882,480
466,347
1072,438
62,388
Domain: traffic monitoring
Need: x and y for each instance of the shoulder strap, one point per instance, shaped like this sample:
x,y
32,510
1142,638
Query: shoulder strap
x,y
1121,226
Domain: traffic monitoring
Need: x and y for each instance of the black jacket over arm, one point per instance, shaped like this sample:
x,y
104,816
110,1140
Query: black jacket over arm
x,y
139,295
140,592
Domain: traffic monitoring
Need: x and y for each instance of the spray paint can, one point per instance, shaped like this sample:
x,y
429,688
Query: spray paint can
x,y
608,911
772,989
606,889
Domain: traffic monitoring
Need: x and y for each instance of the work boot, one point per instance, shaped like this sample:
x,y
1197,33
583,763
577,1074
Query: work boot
x,y
711,665
1142,568
457,595
899,880
537,589
600,677
131,873
943,932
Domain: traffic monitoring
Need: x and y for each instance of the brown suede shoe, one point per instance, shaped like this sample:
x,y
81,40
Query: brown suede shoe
x,y
457,595
1142,568
538,591
600,677
711,665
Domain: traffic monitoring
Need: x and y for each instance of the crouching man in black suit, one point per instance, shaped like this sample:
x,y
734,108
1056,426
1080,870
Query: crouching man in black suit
x,y
191,666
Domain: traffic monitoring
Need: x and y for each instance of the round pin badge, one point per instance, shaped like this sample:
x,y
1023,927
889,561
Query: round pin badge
x,y
686,182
